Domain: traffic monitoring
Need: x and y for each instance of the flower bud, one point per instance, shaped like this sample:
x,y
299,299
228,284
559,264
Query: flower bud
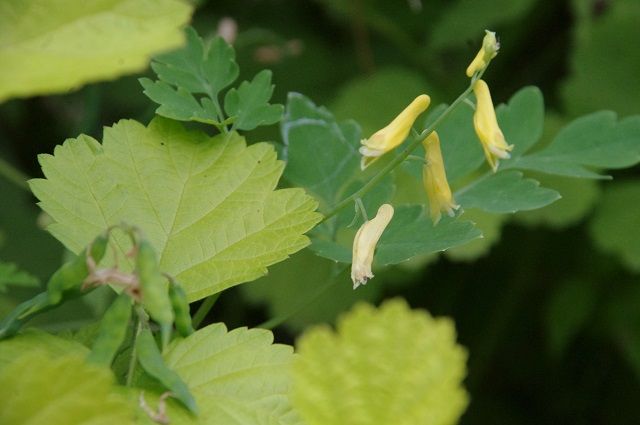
x,y
364,245
435,181
486,125
393,134
488,51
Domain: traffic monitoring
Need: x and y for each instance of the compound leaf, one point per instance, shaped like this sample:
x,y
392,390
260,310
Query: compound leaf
x,y
249,104
49,46
207,204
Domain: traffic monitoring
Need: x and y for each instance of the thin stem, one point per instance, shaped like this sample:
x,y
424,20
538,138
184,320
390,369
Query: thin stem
x,y
363,211
14,175
133,360
204,309
404,154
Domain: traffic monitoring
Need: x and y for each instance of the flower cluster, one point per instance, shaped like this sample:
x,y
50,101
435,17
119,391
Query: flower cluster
x,y
434,175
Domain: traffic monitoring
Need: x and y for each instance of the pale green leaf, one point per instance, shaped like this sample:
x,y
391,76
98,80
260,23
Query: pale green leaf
x,y
389,365
594,141
505,192
249,104
35,340
49,46
10,275
238,377
206,204
64,391
615,227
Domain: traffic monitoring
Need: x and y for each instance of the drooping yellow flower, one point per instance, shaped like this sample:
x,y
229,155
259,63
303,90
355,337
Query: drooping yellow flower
x,y
364,245
435,181
486,125
488,51
384,140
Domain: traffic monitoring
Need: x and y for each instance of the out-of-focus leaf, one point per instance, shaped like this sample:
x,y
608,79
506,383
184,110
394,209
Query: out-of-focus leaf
x,y
391,365
491,227
249,104
49,46
578,198
615,227
597,140
207,205
10,275
466,20
32,340
505,192
604,64
568,309
64,391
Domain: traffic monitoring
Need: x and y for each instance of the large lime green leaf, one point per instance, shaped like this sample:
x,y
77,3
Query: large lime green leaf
x,y
385,366
207,205
66,391
238,377
48,46
615,228
36,340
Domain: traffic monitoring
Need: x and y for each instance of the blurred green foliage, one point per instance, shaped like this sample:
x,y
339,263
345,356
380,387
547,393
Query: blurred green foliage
x,y
551,317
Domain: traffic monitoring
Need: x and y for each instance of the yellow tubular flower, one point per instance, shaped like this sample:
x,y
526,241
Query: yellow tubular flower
x,y
393,134
435,181
488,51
486,125
364,245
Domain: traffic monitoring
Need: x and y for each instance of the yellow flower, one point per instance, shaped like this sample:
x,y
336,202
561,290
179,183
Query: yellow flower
x,y
488,51
435,181
486,125
364,245
393,134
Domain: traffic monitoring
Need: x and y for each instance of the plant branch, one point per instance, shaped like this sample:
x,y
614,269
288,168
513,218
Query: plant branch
x,y
204,309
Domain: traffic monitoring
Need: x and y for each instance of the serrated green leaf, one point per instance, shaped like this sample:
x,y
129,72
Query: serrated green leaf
x,y
389,365
199,68
409,233
206,204
66,391
238,377
615,227
249,104
505,192
49,46
597,140
10,275
33,340
578,198
178,104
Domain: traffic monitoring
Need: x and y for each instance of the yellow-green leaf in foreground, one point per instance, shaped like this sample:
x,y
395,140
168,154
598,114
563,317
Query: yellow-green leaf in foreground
x,y
37,389
49,46
238,377
207,204
391,365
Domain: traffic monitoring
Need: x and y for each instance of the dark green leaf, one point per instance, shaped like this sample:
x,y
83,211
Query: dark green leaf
x,y
249,104
178,104
505,192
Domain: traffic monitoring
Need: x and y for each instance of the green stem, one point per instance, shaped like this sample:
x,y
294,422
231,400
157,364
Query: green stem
x,y
404,154
133,360
14,175
204,309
